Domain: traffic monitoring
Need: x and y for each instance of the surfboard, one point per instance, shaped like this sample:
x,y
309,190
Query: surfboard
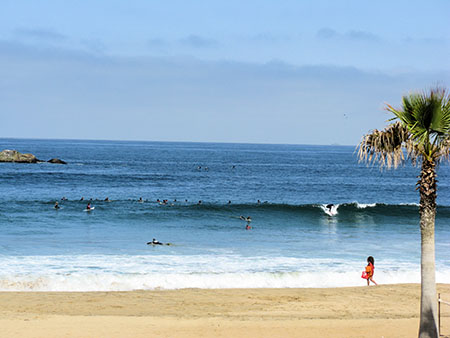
x,y
89,209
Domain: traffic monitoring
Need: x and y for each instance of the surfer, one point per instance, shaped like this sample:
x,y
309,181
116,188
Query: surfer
x,y
248,219
107,199
140,200
56,205
89,207
154,242
330,209
82,198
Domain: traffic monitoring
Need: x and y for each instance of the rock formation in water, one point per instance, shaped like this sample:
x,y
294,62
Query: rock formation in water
x,y
16,157
56,161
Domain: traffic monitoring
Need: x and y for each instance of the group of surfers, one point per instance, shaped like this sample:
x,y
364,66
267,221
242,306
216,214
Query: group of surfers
x,y
89,207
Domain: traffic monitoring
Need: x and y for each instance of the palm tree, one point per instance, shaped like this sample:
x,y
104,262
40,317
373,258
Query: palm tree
x,y
420,131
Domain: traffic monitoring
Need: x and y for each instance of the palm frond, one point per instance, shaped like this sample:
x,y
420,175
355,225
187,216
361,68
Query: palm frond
x,y
386,146
427,118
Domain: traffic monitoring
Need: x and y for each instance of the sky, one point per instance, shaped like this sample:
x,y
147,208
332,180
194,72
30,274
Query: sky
x,y
295,72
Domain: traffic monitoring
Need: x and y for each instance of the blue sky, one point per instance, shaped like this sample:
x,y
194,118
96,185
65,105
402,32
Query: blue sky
x,y
305,72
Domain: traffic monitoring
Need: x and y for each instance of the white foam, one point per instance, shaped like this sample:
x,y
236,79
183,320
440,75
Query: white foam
x,y
124,273
364,206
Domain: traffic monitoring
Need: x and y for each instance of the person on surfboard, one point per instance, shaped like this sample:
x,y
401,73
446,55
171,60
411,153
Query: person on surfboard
x,y
155,242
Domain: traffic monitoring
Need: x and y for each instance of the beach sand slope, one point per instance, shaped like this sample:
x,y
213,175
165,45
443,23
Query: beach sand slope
x,y
383,311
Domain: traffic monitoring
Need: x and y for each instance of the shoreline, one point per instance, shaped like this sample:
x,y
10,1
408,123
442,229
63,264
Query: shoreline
x,y
376,311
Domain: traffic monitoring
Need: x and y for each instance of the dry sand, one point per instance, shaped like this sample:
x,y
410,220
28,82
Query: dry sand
x,y
383,311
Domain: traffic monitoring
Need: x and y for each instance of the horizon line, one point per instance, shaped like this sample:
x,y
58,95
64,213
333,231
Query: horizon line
x,y
159,141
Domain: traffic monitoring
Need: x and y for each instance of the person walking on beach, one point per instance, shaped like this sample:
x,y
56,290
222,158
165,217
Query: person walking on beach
x,y
370,269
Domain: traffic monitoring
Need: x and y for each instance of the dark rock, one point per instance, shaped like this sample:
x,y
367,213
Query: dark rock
x,y
15,156
57,161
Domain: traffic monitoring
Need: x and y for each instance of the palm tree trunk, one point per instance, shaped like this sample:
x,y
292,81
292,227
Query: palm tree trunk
x,y
428,306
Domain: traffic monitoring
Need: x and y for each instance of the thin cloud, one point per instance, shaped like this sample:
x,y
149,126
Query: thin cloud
x,y
361,35
327,33
40,34
197,41
133,98
355,35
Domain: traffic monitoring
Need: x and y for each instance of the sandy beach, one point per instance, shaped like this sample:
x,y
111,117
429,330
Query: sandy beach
x,y
383,311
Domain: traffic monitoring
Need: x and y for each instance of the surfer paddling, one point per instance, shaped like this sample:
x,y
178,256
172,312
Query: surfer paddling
x,y
156,242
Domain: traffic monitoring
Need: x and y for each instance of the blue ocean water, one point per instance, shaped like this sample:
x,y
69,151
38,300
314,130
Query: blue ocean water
x,y
292,243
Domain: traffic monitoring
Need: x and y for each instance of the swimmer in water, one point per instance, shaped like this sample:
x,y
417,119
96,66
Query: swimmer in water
x,y
140,200
56,205
82,198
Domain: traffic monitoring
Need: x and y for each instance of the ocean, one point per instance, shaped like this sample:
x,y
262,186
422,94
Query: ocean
x,y
283,188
